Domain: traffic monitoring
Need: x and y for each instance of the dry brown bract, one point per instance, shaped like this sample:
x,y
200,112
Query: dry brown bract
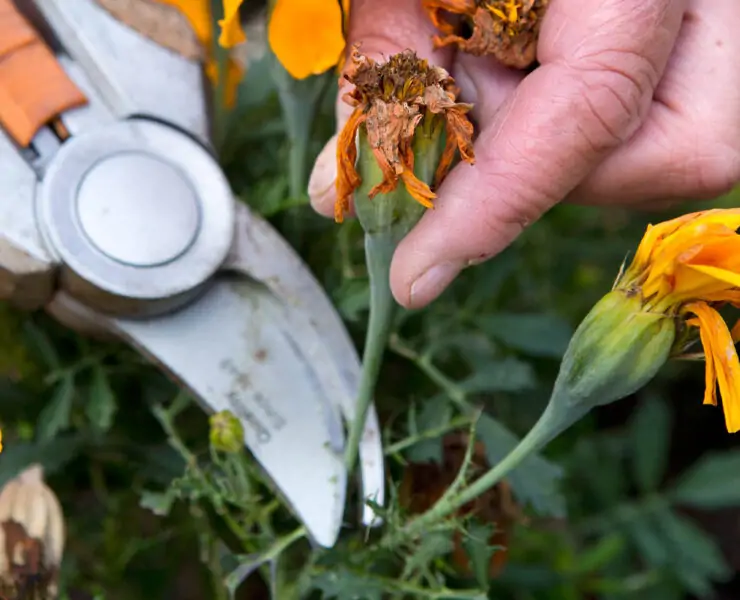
x,y
506,29
391,100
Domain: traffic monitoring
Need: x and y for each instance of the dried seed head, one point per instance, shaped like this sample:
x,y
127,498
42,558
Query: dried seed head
x,y
506,29
32,536
391,100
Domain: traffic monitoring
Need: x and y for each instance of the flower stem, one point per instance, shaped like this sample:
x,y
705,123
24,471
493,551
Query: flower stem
x,y
379,248
550,424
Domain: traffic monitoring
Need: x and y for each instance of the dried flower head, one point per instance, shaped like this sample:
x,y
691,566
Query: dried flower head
x,y
32,537
423,484
506,29
391,100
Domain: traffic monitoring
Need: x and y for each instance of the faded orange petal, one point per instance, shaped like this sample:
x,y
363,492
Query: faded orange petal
x,y
434,8
723,366
306,35
347,177
231,27
459,136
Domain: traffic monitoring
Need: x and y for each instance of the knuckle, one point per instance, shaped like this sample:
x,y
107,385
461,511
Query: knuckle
x,y
614,89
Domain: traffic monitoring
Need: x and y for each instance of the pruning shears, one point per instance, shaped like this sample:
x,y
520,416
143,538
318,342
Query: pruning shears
x,y
115,215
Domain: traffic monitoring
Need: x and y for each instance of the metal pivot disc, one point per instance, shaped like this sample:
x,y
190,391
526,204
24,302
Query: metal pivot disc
x,y
137,210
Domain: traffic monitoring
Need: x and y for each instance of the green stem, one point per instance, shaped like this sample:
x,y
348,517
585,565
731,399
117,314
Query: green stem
x,y
549,425
379,248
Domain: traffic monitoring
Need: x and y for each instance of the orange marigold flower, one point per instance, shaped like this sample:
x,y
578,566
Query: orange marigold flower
x,y
307,36
506,29
391,100
688,267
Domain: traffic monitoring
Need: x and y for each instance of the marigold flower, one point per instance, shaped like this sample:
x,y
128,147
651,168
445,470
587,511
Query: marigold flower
x,y
687,268
307,36
506,29
391,100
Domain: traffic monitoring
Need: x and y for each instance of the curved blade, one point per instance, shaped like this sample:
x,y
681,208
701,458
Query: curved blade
x,y
239,348
256,246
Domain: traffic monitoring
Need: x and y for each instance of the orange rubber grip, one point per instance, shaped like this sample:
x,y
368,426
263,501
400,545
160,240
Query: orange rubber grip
x,y
34,89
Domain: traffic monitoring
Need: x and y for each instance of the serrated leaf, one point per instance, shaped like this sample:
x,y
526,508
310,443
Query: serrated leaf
x,y
101,406
507,375
434,413
55,416
533,334
650,431
713,482
479,551
535,480
432,546
160,503
697,560
342,584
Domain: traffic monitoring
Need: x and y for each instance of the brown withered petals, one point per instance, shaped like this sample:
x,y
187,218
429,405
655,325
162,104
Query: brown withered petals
x,y
505,29
391,100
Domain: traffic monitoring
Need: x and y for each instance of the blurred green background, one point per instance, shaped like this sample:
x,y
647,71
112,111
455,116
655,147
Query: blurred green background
x,y
640,500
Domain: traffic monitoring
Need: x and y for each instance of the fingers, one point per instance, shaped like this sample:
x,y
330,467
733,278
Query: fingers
x,y
600,63
689,147
383,27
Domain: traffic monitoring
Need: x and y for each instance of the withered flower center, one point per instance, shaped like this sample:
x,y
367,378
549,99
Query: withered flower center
x,y
391,100
506,29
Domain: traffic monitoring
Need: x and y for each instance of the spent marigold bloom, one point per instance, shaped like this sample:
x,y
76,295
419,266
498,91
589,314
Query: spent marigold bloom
x,y
307,36
506,29
688,267
391,100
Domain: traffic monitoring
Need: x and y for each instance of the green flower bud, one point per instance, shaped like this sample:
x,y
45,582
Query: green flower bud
x,y
616,350
227,432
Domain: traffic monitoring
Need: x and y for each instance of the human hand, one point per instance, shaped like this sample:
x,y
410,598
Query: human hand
x,y
634,102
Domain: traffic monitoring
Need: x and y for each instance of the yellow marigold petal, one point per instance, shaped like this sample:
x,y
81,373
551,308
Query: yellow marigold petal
x,y
718,273
231,28
723,362
234,75
306,35
198,13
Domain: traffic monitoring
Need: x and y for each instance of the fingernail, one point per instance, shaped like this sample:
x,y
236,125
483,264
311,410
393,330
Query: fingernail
x,y
324,174
431,283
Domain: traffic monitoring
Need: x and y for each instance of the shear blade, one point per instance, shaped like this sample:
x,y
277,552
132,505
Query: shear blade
x,y
238,348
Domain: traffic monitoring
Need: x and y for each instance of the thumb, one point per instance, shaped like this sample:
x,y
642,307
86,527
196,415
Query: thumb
x,y
383,28
600,62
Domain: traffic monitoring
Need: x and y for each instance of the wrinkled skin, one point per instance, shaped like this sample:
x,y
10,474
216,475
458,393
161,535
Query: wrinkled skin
x,y
636,102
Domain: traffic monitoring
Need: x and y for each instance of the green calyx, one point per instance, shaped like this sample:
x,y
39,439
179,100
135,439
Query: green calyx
x,y
617,349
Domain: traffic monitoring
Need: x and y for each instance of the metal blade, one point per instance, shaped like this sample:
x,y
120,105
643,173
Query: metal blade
x,y
239,348
260,252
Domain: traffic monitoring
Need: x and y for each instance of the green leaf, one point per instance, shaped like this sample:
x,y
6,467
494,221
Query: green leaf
x,y
535,480
650,435
56,414
434,413
431,547
342,584
713,482
507,375
533,334
51,455
101,406
696,560
479,551
160,503
595,558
